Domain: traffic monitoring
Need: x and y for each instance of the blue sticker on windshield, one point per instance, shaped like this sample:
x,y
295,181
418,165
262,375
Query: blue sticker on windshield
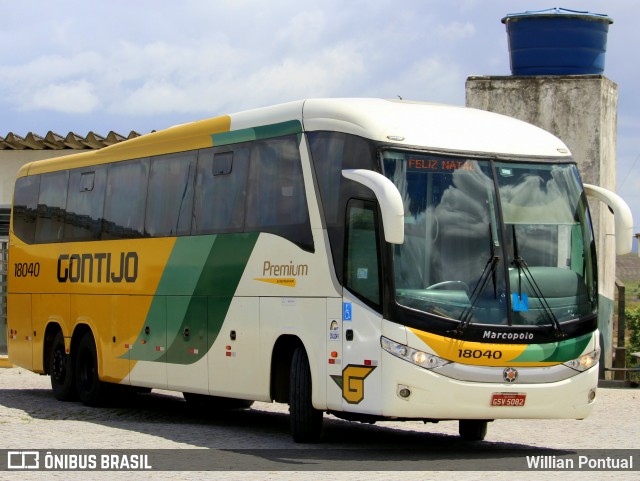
x,y
520,302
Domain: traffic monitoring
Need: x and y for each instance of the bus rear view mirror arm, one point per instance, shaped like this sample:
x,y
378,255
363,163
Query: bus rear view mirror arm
x,y
389,199
621,213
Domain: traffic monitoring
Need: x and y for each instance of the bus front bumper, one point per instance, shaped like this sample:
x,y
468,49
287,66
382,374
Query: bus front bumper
x,y
412,392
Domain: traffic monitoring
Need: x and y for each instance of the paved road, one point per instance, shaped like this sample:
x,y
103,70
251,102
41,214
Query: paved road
x,y
30,418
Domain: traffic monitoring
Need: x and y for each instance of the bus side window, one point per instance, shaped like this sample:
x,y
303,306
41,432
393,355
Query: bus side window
x,y
170,194
221,189
25,204
85,204
276,200
52,203
125,200
362,272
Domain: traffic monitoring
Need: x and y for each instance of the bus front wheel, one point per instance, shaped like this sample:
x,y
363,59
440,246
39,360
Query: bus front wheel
x,y
91,390
306,421
61,371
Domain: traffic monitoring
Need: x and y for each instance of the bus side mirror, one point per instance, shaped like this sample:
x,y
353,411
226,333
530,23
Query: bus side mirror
x,y
622,216
389,199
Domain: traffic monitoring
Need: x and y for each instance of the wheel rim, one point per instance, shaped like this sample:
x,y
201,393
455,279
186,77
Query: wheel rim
x,y
59,365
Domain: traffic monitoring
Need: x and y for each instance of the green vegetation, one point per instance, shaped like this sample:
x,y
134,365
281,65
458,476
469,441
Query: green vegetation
x,y
632,342
633,335
632,294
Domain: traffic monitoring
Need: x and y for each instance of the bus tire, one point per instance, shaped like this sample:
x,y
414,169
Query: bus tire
x,y
472,429
60,369
91,391
306,421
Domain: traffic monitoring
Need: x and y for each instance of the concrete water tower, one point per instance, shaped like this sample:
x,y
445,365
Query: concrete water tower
x,y
557,83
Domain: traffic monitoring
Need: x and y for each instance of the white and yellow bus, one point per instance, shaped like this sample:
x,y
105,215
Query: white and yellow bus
x,y
371,259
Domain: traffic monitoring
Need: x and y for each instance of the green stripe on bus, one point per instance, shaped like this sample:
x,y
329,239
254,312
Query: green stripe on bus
x,y
193,297
555,351
289,127
216,286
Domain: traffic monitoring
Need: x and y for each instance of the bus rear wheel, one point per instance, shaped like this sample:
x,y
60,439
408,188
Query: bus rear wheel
x,y
91,391
60,369
306,421
472,429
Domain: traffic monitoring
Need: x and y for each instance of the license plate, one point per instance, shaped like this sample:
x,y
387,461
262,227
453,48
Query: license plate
x,y
511,399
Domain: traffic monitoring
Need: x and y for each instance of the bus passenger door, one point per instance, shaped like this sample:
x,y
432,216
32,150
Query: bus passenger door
x,y
361,320
360,376
335,334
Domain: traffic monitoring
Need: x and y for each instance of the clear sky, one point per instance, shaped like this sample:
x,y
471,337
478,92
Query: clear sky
x,y
143,65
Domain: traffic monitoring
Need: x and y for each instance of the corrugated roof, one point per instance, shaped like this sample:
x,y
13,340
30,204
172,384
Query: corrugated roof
x,y
53,141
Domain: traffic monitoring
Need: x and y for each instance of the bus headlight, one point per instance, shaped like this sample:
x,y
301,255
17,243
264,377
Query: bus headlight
x,y
419,358
584,362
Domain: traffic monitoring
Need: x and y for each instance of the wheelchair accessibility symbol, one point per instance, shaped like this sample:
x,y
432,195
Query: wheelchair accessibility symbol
x,y
346,311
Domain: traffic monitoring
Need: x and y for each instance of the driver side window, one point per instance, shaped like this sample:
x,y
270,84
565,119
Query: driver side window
x,y
362,271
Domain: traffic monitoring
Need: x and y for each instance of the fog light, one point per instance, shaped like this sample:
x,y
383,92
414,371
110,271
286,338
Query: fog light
x,y
404,392
591,396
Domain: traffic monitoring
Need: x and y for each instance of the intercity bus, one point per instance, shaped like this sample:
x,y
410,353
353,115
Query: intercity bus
x,y
368,259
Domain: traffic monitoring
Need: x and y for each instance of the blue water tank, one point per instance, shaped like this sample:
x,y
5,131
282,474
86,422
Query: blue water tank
x,y
557,41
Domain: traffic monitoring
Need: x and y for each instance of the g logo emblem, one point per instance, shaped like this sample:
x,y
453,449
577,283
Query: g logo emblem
x,y
352,382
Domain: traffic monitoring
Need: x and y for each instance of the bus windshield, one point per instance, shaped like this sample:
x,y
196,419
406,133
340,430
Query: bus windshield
x,y
501,243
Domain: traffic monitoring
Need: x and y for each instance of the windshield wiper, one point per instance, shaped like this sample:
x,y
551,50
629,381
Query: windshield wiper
x,y
522,267
488,272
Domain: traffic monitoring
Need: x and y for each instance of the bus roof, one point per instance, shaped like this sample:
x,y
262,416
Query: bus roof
x,y
399,122
434,126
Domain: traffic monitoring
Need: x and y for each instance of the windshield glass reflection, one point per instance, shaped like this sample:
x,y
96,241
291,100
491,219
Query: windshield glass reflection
x,y
444,265
452,262
549,239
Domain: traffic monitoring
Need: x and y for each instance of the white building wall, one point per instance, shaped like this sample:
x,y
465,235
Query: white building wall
x,y
12,160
